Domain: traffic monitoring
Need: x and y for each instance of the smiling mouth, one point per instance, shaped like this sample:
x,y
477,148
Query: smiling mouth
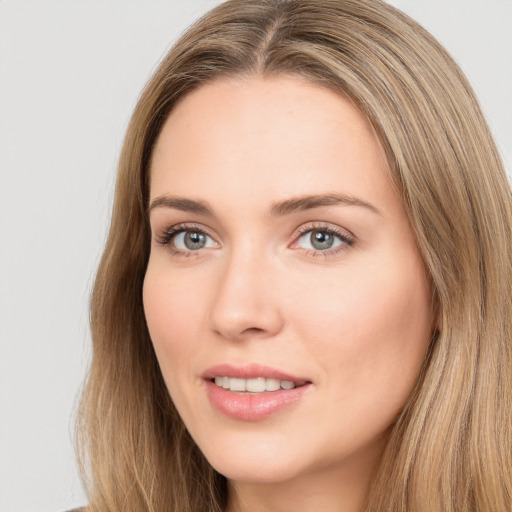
x,y
255,385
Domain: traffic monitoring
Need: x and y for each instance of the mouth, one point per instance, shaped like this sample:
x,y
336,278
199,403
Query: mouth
x,y
253,392
256,385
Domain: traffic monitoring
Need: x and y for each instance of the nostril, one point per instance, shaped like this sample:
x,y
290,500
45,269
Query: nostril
x,y
253,331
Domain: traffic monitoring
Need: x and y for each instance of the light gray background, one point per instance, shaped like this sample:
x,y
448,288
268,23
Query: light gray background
x,y
70,73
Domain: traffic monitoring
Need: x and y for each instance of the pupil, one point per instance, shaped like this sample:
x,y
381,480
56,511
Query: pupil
x,y
195,240
321,240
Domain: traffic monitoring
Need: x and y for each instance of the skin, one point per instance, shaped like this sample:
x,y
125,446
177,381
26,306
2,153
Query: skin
x,y
355,320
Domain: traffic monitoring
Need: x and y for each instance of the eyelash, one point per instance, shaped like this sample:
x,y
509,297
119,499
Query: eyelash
x,y
167,236
346,239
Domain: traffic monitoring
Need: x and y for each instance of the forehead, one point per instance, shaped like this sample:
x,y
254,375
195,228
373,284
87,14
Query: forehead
x,y
265,138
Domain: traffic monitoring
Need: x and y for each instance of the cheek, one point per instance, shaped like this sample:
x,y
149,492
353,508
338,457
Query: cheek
x,y
174,315
370,334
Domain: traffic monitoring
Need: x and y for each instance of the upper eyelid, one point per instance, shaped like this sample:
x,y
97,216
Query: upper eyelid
x,y
319,225
186,226
165,235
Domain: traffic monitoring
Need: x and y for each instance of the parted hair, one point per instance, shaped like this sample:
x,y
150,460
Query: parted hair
x,y
450,449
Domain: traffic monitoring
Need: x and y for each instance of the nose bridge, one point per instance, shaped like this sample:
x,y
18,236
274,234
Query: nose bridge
x,y
245,300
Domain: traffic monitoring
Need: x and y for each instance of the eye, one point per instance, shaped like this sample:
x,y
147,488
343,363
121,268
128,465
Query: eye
x,y
185,240
323,239
192,241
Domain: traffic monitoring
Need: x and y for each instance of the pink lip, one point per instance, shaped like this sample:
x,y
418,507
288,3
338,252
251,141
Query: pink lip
x,y
247,406
249,371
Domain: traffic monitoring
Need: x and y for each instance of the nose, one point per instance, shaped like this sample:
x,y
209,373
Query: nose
x,y
245,303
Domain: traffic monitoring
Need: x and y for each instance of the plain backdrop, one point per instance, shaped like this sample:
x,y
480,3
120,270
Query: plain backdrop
x,y
70,74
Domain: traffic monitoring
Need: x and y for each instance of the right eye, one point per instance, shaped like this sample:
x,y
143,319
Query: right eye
x,y
192,240
186,240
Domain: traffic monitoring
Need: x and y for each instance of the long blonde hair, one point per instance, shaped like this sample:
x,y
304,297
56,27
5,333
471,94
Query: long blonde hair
x,y
450,449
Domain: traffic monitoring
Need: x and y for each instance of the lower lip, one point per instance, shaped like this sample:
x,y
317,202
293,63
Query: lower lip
x,y
252,407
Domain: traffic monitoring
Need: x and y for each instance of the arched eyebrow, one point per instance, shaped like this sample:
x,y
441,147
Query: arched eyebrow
x,y
182,204
277,209
301,203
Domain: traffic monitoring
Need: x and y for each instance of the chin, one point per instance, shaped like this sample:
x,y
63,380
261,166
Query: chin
x,y
254,461
255,471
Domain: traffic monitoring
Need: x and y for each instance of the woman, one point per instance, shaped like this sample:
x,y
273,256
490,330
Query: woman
x,y
305,297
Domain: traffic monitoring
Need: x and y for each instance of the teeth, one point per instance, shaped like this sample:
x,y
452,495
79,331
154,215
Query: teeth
x,y
257,385
272,384
287,384
237,384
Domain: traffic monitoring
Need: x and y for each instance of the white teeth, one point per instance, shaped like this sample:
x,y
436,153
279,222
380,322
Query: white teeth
x,y
256,385
272,384
222,382
237,384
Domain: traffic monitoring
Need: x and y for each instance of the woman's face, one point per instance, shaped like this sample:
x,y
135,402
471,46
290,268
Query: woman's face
x,y
282,258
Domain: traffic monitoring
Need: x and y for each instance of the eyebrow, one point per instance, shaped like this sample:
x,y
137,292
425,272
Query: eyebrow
x,y
301,203
278,209
182,204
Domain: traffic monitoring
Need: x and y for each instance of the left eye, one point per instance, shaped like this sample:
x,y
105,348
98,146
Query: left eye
x,y
320,240
192,240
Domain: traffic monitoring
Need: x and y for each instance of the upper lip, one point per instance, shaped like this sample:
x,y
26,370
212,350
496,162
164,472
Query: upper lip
x,y
250,371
